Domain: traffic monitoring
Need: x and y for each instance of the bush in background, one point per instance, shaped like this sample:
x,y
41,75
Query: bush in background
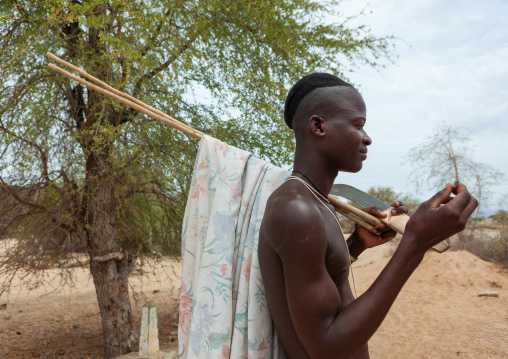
x,y
487,238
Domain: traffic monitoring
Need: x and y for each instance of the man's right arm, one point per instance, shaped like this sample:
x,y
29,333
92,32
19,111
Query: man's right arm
x,y
326,330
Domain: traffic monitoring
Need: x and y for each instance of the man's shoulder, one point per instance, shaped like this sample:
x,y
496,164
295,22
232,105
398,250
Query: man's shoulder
x,y
289,202
293,223
291,212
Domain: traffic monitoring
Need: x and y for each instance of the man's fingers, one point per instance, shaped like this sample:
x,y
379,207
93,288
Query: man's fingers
x,y
375,211
399,210
388,235
470,208
448,199
458,187
461,200
381,228
441,196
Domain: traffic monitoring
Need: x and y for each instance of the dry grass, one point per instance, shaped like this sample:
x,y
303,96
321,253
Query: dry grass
x,y
489,245
486,238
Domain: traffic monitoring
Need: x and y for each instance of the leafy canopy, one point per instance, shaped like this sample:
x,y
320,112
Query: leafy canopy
x,y
223,67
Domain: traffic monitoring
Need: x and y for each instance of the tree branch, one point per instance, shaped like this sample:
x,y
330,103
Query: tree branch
x,y
118,256
7,188
164,65
43,155
20,8
156,35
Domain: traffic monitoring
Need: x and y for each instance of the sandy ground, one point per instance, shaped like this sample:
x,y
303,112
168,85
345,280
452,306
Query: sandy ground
x,y
438,314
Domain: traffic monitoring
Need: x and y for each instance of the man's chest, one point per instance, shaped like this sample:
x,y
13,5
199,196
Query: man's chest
x,y
337,255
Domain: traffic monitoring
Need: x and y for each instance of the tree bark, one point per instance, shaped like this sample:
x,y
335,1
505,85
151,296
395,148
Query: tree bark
x,y
119,334
110,276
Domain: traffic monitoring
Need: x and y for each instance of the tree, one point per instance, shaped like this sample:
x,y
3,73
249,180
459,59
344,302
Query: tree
x,y
446,157
85,173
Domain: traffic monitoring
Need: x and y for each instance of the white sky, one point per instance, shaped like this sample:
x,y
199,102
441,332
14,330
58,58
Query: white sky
x,y
452,67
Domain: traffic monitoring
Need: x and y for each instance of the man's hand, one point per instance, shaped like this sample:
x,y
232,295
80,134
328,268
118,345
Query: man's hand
x,y
381,233
439,218
362,238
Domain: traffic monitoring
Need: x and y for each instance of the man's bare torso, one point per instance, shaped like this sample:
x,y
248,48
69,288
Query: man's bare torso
x,y
336,261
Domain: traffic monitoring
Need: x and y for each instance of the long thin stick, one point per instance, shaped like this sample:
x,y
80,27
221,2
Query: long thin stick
x,y
364,219
119,93
355,219
175,124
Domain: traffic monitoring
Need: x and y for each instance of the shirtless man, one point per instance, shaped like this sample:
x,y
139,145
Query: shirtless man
x,y
303,257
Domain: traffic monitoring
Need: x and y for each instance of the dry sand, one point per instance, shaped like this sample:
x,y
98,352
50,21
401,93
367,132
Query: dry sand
x,y
438,314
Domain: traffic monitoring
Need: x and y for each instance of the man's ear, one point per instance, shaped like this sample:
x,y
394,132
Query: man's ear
x,y
316,125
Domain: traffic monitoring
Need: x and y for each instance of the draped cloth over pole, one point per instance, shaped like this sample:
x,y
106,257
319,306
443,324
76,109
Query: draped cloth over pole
x,y
223,307
363,219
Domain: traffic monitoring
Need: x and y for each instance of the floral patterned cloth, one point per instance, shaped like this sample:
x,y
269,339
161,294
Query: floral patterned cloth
x,y
223,307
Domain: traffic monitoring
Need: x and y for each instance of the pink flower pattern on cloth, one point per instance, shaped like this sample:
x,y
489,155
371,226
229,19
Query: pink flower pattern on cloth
x,y
223,309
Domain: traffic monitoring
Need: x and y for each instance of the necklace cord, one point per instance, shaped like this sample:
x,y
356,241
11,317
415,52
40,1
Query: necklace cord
x,y
312,183
314,191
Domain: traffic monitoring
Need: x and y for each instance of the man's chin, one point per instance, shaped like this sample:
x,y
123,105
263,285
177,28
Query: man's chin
x,y
353,170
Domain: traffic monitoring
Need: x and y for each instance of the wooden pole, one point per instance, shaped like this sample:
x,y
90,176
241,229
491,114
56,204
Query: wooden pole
x,y
175,124
353,213
358,216
354,218
116,92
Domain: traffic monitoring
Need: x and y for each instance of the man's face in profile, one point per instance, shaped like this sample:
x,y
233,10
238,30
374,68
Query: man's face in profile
x,y
343,140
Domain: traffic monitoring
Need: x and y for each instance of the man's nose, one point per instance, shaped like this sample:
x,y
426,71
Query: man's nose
x,y
367,140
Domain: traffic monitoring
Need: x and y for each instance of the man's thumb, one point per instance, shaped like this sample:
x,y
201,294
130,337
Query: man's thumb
x,y
441,196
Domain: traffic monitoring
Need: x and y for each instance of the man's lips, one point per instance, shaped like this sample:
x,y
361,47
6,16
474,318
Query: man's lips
x,y
364,154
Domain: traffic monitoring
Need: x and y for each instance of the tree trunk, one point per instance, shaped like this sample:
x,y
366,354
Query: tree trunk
x,y
110,265
119,334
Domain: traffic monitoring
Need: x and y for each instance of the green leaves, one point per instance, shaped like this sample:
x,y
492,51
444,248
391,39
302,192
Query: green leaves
x,y
222,67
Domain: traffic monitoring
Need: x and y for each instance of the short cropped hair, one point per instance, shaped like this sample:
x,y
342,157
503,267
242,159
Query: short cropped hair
x,y
303,87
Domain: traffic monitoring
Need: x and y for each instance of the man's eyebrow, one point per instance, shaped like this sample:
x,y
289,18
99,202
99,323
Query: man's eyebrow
x,y
358,118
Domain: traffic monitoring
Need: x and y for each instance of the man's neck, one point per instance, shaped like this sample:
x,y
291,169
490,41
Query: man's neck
x,y
317,172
